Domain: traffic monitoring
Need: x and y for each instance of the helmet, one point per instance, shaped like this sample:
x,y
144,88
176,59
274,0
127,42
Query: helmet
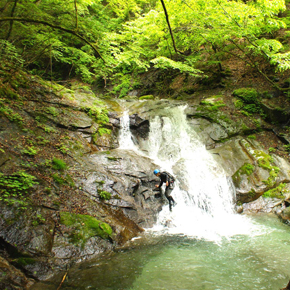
x,y
156,171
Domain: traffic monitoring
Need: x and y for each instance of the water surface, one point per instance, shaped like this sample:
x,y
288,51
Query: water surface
x,y
244,262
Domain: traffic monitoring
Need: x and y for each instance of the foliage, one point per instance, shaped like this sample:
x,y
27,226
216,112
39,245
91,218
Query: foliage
x,y
166,63
9,55
9,113
61,180
109,40
287,147
104,194
30,150
15,187
58,164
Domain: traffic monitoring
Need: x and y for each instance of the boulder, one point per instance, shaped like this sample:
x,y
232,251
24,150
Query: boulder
x,y
252,169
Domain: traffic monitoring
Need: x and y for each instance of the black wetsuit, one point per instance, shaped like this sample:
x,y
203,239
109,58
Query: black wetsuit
x,y
164,177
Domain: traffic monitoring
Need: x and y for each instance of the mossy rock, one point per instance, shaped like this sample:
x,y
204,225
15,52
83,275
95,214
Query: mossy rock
x,y
147,97
247,95
246,169
277,192
24,261
83,227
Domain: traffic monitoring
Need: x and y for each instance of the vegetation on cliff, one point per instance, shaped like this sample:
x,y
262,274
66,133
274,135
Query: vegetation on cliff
x,y
61,60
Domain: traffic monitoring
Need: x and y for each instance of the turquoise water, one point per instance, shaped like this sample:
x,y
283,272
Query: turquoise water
x,y
259,261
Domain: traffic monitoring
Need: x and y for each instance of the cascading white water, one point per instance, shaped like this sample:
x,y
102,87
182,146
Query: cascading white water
x,y
204,195
125,138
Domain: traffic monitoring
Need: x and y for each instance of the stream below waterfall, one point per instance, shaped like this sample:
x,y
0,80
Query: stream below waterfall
x,y
202,243
169,262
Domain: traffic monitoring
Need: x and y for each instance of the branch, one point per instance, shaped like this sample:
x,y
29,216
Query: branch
x,y
171,33
63,278
11,21
55,27
76,9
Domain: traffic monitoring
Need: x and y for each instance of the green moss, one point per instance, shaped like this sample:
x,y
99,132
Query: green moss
x,y
252,193
210,106
265,161
104,194
252,137
103,131
245,113
247,95
239,104
8,93
24,261
65,179
272,150
112,158
287,147
9,113
52,111
31,151
58,164
100,182
277,192
147,97
58,179
247,169
84,227
244,127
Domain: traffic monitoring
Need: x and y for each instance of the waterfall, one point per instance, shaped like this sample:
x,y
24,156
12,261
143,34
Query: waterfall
x,y
204,194
126,138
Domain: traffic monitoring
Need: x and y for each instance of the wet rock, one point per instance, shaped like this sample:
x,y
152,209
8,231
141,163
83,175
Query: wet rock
x,y
128,177
208,132
284,214
33,233
262,204
139,126
12,278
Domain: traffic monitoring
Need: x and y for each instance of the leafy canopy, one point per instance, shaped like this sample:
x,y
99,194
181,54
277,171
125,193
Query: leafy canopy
x,y
98,40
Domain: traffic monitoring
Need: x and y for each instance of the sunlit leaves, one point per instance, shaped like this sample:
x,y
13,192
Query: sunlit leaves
x,y
281,61
165,63
267,46
133,35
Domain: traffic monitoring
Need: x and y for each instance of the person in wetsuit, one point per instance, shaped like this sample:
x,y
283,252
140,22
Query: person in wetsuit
x,y
168,179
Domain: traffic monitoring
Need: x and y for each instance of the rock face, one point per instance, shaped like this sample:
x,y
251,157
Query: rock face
x,y
128,178
78,195
68,193
253,170
11,277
